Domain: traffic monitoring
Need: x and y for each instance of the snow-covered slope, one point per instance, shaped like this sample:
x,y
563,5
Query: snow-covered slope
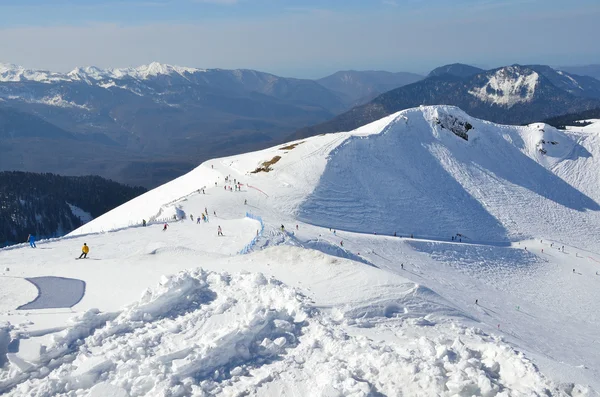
x,y
506,87
323,306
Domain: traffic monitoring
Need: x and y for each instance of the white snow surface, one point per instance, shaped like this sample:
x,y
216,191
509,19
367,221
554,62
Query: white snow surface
x,y
84,216
180,312
505,88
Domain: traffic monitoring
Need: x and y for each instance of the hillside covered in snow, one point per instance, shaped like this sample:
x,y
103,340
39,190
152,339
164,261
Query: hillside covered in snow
x,y
426,253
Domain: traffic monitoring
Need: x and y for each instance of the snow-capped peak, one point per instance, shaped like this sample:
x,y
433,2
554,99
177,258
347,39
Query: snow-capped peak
x,y
508,86
15,73
89,74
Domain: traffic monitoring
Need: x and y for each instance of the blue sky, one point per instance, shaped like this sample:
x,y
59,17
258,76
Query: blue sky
x,y
298,38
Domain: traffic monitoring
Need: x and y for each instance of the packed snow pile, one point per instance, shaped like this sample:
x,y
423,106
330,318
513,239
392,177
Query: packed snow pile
x,y
206,333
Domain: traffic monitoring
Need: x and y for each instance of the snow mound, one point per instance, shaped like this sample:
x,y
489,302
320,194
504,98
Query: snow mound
x,y
248,334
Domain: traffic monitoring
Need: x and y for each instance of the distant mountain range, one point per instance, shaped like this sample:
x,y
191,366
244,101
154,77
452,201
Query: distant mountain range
x,y
358,87
510,95
587,70
149,124
48,205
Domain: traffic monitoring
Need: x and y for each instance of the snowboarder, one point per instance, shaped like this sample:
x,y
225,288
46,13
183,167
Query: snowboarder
x,y
31,239
84,251
144,222
219,231
165,227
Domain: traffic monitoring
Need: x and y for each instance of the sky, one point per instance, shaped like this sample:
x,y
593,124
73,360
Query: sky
x,y
298,38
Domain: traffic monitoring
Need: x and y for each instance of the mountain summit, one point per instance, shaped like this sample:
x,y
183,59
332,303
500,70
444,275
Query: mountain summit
x,y
512,94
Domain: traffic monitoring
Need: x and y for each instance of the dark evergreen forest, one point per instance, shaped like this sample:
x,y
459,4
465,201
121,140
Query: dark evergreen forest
x,y
37,203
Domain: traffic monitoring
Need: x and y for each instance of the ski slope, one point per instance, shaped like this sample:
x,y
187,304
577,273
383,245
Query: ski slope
x,y
333,304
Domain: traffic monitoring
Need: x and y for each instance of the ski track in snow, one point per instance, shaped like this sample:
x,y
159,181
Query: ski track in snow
x,y
341,311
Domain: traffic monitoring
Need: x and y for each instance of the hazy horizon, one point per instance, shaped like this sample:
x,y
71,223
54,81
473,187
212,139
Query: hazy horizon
x,y
307,39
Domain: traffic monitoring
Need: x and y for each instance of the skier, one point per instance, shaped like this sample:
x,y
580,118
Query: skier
x,y
214,213
199,219
192,217
245,202
144,222
477,301
342,243
219,231
165,227
84,251
334,233
394,234
296,227
31,239
402,266
282,228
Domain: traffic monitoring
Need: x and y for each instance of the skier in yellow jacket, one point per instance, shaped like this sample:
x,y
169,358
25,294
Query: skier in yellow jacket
x,y
84,251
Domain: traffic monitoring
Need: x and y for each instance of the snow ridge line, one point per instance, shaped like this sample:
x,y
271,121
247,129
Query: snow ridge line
x,y
252,243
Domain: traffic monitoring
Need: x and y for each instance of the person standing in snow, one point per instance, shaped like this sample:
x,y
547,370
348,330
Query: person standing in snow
x,y
219,231
84,251
342,243
192,217
165,227
199,219
143,222
31,239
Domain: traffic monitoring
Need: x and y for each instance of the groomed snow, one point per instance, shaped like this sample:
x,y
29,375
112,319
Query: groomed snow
x,y
318,310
